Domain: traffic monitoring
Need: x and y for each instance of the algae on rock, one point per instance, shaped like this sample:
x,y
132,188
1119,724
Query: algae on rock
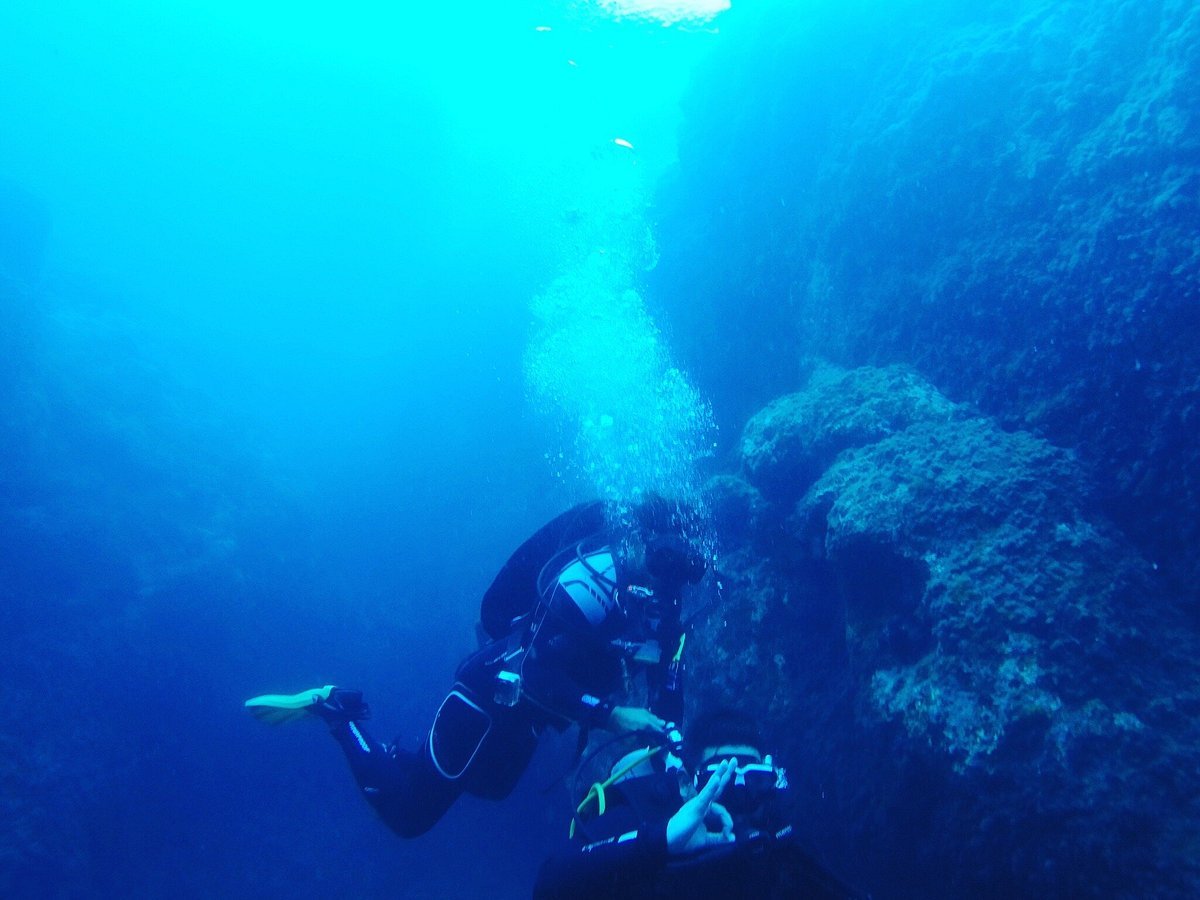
x,y
936,620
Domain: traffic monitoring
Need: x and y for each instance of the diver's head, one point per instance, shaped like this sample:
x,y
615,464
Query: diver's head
x,y
663,543
658,565
719,728
672,563
725,734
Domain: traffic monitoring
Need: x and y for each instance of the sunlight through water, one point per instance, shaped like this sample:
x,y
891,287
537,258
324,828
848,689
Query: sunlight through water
x,y
665,11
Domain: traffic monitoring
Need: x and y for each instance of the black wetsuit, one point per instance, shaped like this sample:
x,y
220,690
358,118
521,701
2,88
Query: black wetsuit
x,y
624,854
567,677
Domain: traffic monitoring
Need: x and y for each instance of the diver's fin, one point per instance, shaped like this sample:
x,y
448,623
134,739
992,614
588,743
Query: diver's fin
x,y
275,709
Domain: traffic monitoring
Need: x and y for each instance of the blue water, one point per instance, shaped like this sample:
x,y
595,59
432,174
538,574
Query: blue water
x,y
309,314
281,396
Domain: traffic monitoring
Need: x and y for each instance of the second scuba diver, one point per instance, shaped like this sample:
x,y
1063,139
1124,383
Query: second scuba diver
x,y
654,830
574,609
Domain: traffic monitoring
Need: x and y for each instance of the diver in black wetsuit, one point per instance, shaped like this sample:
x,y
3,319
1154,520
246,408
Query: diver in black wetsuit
x,y
720,833
569,614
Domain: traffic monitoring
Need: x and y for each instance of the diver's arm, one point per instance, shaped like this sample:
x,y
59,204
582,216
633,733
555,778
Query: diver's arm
x,y
589,711
609,868
564,700
604,869
628,719
548,688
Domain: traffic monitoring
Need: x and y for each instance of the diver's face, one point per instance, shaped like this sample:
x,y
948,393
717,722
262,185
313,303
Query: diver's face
x,y
710,756
753,784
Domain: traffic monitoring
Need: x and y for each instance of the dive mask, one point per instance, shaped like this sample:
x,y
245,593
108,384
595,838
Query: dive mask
x,y
753,783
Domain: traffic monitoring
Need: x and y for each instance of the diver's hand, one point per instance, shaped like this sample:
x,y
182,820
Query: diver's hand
x,y
625,719
686,830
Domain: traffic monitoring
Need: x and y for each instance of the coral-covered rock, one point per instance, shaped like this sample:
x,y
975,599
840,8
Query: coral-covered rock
x,y
1003,196
971,666
787,445
977,590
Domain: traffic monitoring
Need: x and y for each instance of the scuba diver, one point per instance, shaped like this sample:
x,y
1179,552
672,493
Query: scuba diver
x,y
652,830
574,609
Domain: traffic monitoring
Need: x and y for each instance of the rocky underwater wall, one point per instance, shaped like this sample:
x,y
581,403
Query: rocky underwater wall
x,y
1004,196
971,673
960,583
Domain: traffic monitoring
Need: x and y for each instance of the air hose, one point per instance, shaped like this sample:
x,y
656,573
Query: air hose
x,y
597,790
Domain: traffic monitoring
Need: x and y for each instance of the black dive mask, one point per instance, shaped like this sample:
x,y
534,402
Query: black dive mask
x,y
673,563
754,784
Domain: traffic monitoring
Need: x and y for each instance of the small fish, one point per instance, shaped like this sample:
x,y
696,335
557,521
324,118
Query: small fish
x,y
621,142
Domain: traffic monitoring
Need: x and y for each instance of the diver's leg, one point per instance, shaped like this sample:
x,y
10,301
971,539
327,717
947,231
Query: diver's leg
x,y
404,788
